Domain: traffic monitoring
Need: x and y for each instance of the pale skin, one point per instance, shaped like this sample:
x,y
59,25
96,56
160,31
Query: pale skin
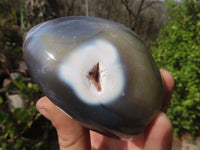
x,y
73,136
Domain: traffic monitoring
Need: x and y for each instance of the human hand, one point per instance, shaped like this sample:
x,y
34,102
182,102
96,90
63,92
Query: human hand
x,y
73,136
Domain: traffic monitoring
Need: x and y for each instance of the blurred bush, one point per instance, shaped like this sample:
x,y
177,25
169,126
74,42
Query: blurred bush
x,y
23,127
20,127
178,50
10,43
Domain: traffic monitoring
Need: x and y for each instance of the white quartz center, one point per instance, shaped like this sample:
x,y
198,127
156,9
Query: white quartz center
x,y
75,71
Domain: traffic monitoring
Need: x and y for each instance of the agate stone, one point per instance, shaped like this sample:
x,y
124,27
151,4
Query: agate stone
x,y
97,71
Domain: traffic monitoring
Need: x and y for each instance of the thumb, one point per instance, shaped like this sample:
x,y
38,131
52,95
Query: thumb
x,y
71,135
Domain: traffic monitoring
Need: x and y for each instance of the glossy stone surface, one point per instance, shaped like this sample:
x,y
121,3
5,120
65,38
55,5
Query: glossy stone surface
x,y
97,71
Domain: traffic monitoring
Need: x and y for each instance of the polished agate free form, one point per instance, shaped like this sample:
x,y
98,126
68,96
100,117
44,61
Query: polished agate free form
x,y
97,71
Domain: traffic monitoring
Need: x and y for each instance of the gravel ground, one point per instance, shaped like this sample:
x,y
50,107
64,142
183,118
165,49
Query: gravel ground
x,y
185,143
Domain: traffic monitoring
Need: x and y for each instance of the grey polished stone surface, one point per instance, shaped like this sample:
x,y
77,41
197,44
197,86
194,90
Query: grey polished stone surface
x,y
97,71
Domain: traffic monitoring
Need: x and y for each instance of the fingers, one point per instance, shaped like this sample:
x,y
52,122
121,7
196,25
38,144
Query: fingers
x,y
71,134
159,134
101,142
168,82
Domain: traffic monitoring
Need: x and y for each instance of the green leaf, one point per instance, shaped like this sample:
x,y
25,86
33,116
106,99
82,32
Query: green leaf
x,y
3,117
21,114
1,100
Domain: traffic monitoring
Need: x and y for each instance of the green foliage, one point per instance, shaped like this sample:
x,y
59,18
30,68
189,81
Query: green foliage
x,y
29,90
178,50
22,128
10,41
10,34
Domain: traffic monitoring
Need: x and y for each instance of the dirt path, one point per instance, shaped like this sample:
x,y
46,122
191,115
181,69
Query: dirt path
x,y
185,143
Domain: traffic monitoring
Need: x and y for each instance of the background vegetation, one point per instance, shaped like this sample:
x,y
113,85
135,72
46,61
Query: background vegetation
x,y
176,48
